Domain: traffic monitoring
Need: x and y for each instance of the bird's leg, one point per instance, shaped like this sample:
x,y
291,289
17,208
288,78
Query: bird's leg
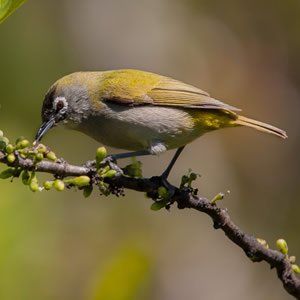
x,y
167,171
163,179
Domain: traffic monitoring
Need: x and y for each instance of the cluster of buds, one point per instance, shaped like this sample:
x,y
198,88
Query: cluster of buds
x,y
22,149
282,247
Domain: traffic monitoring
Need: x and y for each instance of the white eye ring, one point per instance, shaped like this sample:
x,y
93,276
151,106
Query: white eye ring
x,y
60,99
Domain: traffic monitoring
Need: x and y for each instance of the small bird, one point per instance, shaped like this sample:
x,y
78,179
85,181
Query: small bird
x,y
139,111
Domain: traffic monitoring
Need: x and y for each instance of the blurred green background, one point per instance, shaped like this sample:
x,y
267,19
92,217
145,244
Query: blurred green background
x,y
63,246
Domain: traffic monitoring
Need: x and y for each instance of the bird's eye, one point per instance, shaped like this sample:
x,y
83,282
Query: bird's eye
x,y
59,105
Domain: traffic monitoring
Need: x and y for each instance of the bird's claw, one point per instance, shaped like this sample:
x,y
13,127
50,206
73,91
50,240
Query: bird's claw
x,y
112,163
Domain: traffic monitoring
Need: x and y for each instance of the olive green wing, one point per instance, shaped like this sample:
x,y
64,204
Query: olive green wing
x,y
132,87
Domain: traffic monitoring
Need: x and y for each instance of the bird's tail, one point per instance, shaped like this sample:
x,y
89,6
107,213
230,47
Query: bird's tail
x,y
243,121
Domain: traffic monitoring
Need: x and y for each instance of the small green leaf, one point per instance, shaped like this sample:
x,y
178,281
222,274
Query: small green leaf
x,y
157,205
7,7
87,191
10,172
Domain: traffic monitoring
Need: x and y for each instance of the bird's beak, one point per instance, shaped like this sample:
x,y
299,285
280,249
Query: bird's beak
x,y
43,129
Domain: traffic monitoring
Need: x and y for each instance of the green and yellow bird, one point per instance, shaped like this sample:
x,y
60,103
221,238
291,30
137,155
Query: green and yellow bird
x,y
138,111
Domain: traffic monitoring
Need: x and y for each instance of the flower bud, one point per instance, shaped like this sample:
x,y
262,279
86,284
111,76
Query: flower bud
x,y
48,185
79,181
1,133
41,148
296,268
101,153
110,173
282,246
59,185
9,148
11,158
263,242
218,197
51,156
39,157
33,184
22,144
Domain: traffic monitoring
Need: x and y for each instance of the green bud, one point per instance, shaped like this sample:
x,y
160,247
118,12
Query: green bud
x,y
282,246
25,177
3,142
59,185
11,158
101,153
1,133
48,185
110,174
296,268
22,144
87,191
20,139
9,148
51,156
7,173
157,205
163,192
263,242
292,259
33,183
218,197
34,186
41,148
39,157
79,181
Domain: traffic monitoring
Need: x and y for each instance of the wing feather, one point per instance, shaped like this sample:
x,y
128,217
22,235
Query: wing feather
x,y
132,87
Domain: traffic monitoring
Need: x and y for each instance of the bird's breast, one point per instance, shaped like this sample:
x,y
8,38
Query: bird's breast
x,y
140,127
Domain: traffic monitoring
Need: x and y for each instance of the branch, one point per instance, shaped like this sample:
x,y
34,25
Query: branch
x,y
185,198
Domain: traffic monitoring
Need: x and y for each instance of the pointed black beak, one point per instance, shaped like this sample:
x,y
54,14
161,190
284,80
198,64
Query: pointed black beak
x,y
43,129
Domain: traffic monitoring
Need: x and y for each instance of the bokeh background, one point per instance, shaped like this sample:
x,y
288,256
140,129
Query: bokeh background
x,y
63,246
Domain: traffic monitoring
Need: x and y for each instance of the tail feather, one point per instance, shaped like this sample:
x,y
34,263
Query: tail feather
x,y
243,121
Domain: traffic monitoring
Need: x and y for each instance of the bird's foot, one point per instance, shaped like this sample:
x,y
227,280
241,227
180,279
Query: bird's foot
x,y
111,161
164,195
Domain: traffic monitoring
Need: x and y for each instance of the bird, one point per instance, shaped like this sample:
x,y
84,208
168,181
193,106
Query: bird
x,y
138,111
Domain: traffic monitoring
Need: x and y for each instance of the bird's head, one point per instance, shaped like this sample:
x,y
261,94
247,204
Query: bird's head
x,y
66,102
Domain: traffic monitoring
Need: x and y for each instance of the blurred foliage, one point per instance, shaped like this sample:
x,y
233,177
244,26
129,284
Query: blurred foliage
x,y
7,7
125,276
